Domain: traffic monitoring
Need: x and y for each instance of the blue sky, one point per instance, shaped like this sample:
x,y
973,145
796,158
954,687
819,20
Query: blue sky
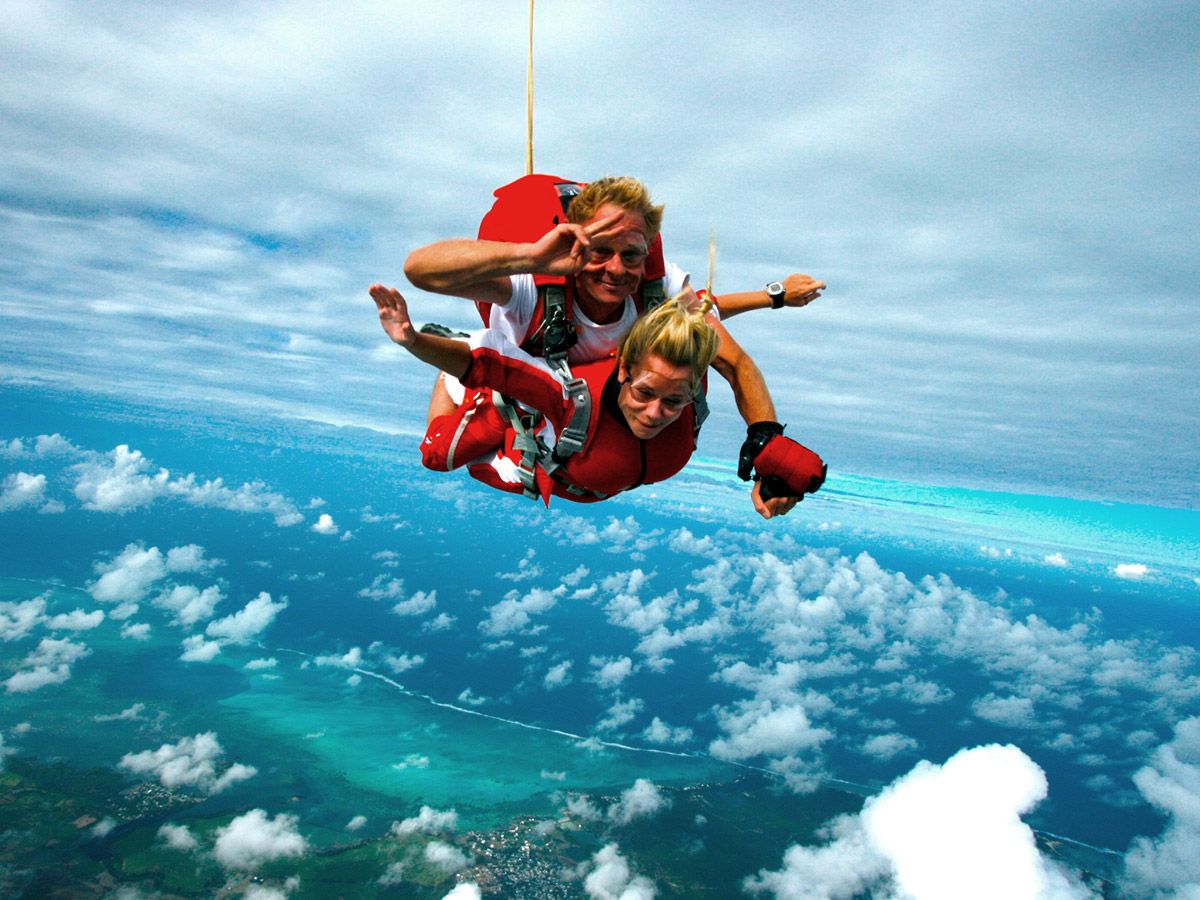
x,y
1001,197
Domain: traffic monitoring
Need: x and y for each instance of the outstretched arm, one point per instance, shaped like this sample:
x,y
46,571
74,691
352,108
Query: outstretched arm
x,y
494,363
480,270
799,290
446,354
753,402
749,388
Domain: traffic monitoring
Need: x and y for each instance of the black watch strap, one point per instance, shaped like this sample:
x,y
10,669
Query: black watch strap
x,y
776,292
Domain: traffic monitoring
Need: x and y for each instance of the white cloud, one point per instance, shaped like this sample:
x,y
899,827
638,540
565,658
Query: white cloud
x,y
325,525
120,482
640,801
124,479
189,603
1132,571
1011,712
248,622
76,620
178,837
394,873
558,675
357,823
611,878
583,808
351,659
428,821
888,746
129,714
19,618
270,892
515,612
104,827
130,576
49,664
402,663
1168,867
683,541
190,763
764,729
938,833
611,673
446,857
189,558
253,839
467,890
620,714
416,605
256,665
22,489
1057,560
197,649
659,732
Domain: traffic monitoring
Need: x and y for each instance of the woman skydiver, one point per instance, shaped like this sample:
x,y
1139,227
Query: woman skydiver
x,y
642,424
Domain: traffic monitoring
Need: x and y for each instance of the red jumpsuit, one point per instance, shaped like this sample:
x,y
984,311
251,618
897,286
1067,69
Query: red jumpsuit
x,y
613,459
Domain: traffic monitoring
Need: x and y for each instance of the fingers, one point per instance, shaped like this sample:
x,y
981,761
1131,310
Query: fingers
x,y
802,289
608,221
776,506
762,507
387,298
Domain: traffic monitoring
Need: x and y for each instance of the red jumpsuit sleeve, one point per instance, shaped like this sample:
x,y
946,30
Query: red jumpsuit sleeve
x,y
519,376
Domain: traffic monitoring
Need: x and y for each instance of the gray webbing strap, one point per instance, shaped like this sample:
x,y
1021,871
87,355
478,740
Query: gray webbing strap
x,y
531,447
574,435
699,408
652,294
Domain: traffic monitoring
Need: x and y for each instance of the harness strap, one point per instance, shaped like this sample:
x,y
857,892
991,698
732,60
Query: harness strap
x,y
458,433
574,435
555,331
699,408
531,446
653,294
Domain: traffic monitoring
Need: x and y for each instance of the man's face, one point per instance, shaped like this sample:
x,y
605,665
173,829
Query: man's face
x,y
616,263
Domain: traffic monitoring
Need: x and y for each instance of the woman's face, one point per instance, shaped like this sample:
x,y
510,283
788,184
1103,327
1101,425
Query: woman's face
x,y
653,394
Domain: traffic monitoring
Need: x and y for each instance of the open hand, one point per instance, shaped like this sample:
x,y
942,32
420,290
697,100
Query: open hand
x,y
393,315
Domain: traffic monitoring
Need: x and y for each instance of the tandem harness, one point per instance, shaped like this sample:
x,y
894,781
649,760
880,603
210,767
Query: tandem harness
x,y
524,210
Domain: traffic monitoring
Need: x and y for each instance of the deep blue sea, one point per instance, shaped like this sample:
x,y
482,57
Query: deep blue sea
x,y
447,646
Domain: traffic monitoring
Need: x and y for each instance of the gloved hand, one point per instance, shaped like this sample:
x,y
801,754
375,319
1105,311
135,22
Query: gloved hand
x,y
787,469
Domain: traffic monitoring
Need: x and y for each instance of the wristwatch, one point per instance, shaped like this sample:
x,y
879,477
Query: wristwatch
x,y
776,292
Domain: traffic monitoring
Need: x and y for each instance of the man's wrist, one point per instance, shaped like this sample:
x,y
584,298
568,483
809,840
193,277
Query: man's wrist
x,y
776,294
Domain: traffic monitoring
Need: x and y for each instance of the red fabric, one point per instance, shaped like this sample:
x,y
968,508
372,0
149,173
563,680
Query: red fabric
x,y
524,210
612,459
483,432
794,463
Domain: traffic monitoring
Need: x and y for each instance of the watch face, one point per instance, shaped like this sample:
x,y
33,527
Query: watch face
x,y
775,287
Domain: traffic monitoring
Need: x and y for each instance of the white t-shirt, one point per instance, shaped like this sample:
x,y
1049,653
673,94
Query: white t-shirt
x,y
595,341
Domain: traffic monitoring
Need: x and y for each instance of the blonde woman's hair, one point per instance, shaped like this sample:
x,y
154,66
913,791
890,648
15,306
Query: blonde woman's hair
x,y
626,193
676,332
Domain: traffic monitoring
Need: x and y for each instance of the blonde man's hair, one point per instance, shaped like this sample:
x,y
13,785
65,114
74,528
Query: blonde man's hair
x,y
680,335
626,193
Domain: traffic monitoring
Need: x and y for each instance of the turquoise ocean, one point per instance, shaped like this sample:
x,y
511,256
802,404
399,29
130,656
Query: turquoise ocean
x,y
467,721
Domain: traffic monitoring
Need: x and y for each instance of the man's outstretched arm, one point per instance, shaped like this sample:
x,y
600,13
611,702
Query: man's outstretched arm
x,y
480,270
798,290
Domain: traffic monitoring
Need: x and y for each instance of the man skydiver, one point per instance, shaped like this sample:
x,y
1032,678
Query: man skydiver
x,y
603,248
